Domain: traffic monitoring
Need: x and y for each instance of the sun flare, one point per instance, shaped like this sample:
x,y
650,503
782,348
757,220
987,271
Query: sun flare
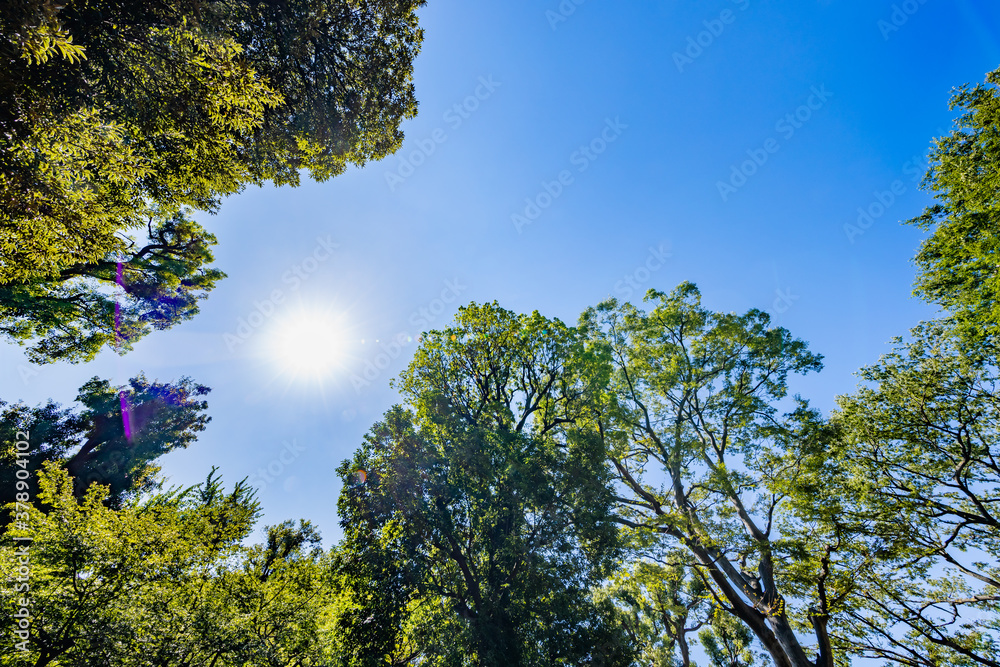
x,y
309,343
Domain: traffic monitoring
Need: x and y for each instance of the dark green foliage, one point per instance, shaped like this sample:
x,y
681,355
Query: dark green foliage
x,y
93,444
378,590
492,497
116,116
343,72
113,302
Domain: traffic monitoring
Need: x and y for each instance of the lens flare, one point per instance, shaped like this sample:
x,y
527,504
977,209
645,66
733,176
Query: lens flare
x,y
308,343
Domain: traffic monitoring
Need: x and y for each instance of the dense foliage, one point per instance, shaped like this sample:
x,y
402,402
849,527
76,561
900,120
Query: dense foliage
x,y
114,116
113,440
960,260
491,494
113,302
638,489
164,581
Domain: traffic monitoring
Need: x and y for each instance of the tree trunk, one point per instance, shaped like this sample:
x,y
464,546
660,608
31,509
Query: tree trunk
x,y
682,643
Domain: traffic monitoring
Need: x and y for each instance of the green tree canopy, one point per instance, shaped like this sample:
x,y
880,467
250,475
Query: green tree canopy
x,y
920,443
705,460
164,581
727,642
960,260
107,109
661,600
490,495
915,478
113,302
113,440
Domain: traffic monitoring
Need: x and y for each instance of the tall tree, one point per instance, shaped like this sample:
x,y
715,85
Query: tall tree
x,y
107,108
370,622
705,460
959,261
115,116
163,581
917,457
727,642
920,443
492,494
113,302
114,439
661,601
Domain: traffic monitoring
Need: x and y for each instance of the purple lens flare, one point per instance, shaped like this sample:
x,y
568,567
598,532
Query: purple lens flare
x,y
126,418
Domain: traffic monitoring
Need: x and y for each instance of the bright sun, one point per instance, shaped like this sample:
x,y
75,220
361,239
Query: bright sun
x,y
308,343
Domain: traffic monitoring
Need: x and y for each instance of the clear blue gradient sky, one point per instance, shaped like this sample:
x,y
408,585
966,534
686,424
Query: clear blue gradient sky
x,y
641,109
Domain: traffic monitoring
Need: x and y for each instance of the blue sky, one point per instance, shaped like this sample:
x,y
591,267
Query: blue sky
x,y
565,153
